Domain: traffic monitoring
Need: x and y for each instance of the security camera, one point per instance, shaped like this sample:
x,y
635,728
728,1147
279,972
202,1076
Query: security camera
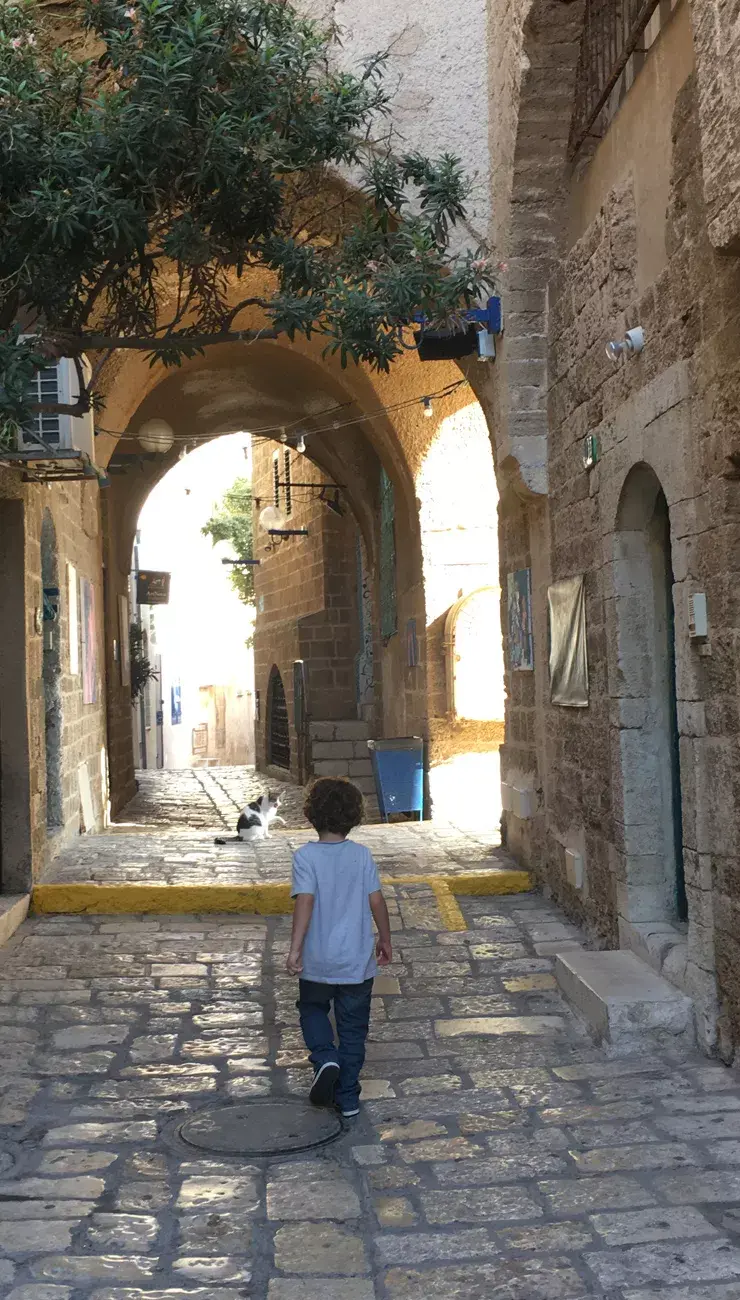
x,y
632,343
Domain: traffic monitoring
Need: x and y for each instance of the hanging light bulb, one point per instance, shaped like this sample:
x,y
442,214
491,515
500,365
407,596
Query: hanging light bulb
x,y
283,436
271,517
156,436
428,408
301,444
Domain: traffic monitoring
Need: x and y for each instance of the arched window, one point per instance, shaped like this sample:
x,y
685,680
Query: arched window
x,y
278,731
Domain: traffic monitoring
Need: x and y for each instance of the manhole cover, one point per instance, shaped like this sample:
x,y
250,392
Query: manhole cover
x,y
261,1128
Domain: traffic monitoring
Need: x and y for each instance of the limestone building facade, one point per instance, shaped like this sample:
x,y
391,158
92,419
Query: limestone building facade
x,y
607,190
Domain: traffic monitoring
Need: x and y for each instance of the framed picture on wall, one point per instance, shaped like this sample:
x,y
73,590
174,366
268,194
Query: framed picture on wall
x,y
123,634
568,656
89,643
73,620
519,601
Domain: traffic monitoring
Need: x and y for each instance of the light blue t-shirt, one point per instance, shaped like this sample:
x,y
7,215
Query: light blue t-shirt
x,y
340,943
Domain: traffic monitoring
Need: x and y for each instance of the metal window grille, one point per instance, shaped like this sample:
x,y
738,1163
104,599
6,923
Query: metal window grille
x,y
288,486
613,31
45,388
276,479
388,596
278,729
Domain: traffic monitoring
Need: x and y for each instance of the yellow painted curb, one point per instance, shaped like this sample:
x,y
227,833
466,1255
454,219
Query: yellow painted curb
x,y
486,883
452,917
91,899
134,899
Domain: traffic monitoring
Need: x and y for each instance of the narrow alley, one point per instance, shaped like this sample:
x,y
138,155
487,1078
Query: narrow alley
x,y
369,410
166,836
499,1154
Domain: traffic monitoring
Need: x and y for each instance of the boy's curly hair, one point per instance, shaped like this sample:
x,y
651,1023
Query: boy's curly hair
x,y
333,804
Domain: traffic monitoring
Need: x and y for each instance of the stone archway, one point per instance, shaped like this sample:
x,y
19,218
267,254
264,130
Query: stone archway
x,y
533,90
652,887
458,519
238,388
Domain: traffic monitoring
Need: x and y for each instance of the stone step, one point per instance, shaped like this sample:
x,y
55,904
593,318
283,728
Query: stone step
x,y
342,729
622,1000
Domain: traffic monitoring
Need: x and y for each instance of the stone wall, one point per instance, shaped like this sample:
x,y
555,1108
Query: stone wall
x,y
72,513
717,45
306,595
673,409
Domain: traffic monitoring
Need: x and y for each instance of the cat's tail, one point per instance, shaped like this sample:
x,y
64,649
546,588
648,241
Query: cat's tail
x,y
227,839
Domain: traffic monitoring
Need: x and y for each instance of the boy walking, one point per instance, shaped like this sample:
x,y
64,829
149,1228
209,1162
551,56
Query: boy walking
x,y
337,896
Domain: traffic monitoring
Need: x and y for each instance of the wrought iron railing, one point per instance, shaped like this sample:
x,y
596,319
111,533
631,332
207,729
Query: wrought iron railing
x,y
612,33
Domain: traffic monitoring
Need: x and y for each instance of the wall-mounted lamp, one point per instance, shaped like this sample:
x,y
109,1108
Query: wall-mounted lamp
x,y
486,346
632,343
590,451
332,502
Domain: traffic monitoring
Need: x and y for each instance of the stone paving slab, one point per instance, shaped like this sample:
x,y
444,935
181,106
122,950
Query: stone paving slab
x,y
166,836
502,1165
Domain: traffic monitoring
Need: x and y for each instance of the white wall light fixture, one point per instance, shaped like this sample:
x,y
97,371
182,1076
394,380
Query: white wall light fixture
x,y
632,343
698,617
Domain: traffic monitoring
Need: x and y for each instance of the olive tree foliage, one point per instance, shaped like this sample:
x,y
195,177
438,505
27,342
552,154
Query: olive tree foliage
x,y
231,521
189,186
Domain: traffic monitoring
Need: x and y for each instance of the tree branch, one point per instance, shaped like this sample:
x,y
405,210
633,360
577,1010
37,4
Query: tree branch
x,y
74,344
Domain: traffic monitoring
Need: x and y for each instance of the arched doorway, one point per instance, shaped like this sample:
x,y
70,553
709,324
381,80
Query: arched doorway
x,y
458,514
653,887
52,674
278,730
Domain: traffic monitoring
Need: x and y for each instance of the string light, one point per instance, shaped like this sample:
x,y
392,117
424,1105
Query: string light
x,y
269,431
428,408
301,444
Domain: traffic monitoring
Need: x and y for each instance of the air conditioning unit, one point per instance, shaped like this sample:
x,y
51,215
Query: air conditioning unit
x,y
58,382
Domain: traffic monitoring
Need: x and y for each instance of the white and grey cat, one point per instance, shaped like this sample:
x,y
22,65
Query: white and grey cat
x,y
256,819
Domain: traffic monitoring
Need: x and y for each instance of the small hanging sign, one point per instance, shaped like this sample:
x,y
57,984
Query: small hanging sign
x,y
152,588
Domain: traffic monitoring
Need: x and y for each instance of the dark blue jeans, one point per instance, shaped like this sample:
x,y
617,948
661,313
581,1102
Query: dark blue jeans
x,y
352,1014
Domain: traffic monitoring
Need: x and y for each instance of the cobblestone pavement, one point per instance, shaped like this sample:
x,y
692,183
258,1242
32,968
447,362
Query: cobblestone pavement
x,y
160,837
498,1156
208,797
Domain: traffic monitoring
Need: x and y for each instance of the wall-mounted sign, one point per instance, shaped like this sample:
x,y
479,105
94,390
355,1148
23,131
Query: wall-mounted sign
x,y
89,643
124,634
412,644
152,588
176,704
73,620
568,661
519,603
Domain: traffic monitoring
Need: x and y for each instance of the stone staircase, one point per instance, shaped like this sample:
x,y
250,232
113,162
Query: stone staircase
x,y
340,749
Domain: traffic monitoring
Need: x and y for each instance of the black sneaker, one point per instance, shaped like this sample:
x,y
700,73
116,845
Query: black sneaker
x,y
324,1083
